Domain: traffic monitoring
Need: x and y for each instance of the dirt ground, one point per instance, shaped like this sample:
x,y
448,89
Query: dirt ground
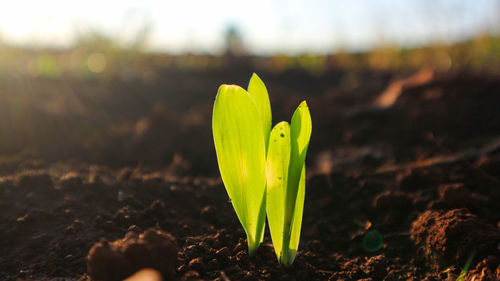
x,y
403,177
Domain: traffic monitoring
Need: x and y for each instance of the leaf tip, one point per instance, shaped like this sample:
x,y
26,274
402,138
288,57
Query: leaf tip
x,y
255,79
227,87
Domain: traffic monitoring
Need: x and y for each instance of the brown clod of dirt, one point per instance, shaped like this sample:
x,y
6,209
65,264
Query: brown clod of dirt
x,y
147,274
457,195
396,88
34,179
486,270
453,235
117,260
392,200
454,194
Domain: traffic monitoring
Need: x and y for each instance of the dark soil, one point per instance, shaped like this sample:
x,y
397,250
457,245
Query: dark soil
x,y
127,168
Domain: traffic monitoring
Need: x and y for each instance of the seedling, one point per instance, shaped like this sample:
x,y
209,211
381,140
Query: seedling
x,y
464,271
251,157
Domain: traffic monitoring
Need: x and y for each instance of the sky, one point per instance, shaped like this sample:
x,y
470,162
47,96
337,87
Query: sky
x,y
266,26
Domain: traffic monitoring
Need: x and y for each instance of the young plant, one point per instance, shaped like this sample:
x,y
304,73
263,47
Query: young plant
x,y
286,182
241,125
251,157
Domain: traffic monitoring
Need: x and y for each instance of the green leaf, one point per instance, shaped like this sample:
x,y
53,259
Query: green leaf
x,y
278,160
241,154
297,216
286,182
300,134
464,271
258,91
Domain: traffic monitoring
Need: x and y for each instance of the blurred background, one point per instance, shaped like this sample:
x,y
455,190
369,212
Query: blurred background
x,y
132,82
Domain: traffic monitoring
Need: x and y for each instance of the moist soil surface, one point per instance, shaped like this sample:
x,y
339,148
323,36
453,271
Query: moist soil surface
x,y
403,178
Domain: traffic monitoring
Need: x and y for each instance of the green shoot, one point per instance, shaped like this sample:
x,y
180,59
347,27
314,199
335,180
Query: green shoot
x,y
261,166
241,124
286,182
464,271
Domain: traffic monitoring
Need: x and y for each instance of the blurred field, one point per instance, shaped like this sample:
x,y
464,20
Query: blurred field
x,y
99,102
95,55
